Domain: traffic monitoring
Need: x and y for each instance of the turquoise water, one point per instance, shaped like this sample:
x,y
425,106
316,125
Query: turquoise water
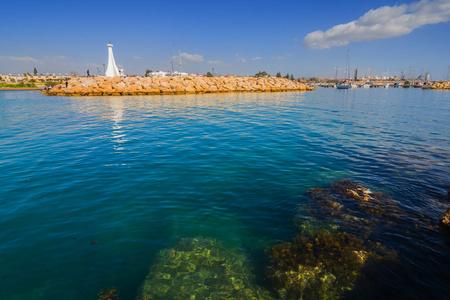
x,y
93,188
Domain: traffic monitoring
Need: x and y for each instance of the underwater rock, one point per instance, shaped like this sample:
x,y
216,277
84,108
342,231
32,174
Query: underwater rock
x,y
109,294
321,266
313,226
352,205
201,268
445,220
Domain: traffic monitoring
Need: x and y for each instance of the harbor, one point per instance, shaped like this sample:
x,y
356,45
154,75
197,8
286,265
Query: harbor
x,y
387,84
225,150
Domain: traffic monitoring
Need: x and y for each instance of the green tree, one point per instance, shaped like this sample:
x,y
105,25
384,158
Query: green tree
x,y
35,72
286,76
209,74
147,72
261,74
292,77
278,75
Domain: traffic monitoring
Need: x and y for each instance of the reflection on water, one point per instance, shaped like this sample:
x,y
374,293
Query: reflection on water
x,y
118,134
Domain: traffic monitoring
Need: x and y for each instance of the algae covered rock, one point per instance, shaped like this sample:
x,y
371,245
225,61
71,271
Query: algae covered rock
x,y
201,268
351,205
445,220
321,266
109,294
310,226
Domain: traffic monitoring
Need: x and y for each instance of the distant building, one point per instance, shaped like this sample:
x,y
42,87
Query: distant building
x,y
168,74
158,74
179,74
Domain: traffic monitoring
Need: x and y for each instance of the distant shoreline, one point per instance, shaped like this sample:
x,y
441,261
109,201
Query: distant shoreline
x,y
21,89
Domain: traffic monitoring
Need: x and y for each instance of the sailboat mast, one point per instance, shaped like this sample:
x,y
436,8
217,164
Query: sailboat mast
x,y
179,55
171,61
347,70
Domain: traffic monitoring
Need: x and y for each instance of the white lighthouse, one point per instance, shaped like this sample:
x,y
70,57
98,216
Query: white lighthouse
x,y
111,70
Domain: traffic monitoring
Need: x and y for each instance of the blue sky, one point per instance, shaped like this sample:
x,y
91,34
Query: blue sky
x,y
305,38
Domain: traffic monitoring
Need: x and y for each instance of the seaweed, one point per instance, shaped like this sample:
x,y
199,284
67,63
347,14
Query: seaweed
x,y
201,268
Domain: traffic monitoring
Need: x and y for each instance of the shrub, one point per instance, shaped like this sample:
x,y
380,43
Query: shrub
x,y
51,83
17,85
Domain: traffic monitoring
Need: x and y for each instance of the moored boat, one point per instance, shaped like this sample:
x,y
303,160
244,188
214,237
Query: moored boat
x,y
342,86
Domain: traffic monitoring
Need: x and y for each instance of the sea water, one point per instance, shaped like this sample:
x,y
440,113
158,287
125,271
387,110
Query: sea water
x,y
92,188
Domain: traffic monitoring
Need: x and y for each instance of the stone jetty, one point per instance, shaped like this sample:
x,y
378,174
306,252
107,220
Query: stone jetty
x,y
441,86
118,86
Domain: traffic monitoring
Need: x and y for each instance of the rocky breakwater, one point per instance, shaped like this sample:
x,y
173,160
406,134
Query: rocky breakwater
x,y
117,86
441,86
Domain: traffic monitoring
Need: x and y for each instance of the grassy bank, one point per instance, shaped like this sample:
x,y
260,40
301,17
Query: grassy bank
x,y
17,85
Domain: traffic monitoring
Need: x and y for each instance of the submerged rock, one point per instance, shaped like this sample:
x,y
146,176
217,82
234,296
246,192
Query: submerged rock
x,y
445,220
313,226
350,204
109,294
325,261
321,266
201,268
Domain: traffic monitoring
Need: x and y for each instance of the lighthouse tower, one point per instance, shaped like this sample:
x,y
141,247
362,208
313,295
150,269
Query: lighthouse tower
x,y
111,70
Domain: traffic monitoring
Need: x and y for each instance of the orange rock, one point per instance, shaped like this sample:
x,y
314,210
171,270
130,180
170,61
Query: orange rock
x,y
178,85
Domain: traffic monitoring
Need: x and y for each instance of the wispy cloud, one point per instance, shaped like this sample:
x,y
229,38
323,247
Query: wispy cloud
x,y
137,57
240,59
192,57
282,57
381,23
54,59
256,58
215,62
23,59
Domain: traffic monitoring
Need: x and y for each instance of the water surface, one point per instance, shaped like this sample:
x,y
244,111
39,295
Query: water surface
x,y
92,188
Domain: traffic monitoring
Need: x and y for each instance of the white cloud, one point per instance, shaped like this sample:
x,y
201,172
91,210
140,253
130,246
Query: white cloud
x,y
381,23
256,58
215,62
137,57
192,57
